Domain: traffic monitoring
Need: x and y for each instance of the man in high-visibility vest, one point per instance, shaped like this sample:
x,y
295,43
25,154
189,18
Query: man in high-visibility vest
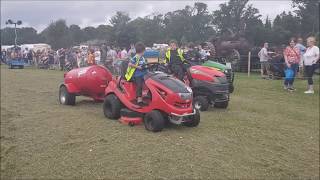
x,y
175,60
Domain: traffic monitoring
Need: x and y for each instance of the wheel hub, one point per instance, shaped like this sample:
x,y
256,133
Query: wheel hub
x,y
63,97
197,105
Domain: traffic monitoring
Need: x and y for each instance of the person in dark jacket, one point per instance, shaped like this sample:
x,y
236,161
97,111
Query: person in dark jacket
x,y
175,60
192,55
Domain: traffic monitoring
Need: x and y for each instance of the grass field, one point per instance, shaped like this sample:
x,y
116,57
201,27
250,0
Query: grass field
x,y
266,133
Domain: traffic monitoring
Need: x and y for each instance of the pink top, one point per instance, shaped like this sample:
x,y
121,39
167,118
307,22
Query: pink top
x,y
292,54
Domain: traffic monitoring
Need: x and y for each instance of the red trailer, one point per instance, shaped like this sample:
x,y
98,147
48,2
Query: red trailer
x,y
88,81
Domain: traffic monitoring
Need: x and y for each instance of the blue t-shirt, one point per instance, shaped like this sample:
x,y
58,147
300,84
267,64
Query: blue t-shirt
x,y
142,62
301,48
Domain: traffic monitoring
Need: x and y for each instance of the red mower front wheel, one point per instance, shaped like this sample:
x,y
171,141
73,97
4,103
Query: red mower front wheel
x,y
154,121
111,107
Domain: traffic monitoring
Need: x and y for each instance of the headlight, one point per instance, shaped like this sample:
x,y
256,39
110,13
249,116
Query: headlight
x,y
185,96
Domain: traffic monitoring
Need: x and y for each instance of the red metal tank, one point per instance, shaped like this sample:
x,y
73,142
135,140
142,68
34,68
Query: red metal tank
x,y
88,81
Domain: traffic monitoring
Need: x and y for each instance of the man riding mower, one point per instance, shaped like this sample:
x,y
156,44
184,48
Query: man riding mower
x,y
155,97
210,86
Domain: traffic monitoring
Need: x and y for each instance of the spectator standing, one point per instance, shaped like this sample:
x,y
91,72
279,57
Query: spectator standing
x,y
62,58
118,50
264,58
25,55
124,54
97,56
311,58
30,56
37,59
192,54
202,52
302,50
103,54
111,56
50,58
292,59
91,58
78,57
3,56
132,51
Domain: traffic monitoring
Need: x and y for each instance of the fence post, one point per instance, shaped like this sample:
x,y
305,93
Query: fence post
x,y
249,63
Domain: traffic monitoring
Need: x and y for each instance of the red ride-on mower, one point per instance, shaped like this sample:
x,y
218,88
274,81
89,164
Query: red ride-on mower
x,y
88,81
167,100
209,86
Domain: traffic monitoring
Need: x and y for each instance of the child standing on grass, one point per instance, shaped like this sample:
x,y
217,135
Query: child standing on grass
x,y
136,72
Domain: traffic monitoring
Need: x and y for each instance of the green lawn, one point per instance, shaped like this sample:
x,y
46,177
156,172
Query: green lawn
x,y
266,133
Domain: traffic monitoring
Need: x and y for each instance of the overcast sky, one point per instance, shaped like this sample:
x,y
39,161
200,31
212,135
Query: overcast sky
x,y
39,14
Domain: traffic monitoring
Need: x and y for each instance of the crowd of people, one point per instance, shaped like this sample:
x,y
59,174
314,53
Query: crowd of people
x,y
294,59
68,58
298,59
75,57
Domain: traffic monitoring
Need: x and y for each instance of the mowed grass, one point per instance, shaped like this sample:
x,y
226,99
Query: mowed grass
x,y
266,133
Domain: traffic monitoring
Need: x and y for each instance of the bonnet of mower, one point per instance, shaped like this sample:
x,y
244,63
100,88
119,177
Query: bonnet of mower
x,y
223,68
209,86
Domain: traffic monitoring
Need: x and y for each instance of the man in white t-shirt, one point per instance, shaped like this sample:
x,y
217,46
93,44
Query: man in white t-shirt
x,y
264,58
97,56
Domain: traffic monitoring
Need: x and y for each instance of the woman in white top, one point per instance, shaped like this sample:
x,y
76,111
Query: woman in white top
x,y
311,57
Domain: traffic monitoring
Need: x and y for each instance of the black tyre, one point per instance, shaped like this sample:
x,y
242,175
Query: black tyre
x,y
231,88
222,105
201,103
112,107
65,97
193,121
154,121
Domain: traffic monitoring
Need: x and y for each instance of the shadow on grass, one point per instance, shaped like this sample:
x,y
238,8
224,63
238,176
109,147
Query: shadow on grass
x,y
88,102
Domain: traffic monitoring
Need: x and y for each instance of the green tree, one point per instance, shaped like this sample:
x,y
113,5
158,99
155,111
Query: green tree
x,y
57,35
76,34
123,32
149,29
308,12
24,35
89,33
235,16
285,26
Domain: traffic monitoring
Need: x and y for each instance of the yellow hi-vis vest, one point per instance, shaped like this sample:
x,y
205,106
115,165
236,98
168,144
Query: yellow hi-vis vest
x,y
168,55
131,70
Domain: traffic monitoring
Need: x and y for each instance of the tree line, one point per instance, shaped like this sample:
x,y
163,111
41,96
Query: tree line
x,y
190,24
